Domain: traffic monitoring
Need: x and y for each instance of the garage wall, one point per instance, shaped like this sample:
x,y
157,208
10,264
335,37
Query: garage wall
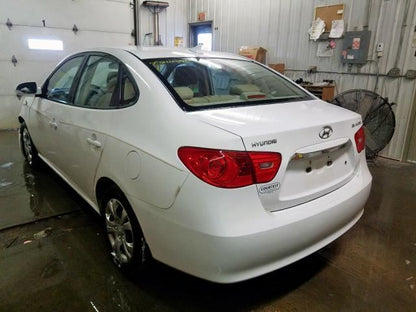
x,y
100,23
281,27
173,22
278,25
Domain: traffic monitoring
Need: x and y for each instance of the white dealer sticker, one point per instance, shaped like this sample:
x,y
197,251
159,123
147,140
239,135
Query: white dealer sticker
x,y
269,188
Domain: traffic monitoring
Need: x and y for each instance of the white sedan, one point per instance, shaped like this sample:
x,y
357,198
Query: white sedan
x,y
208,162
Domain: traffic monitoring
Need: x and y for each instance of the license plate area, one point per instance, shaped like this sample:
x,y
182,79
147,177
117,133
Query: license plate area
x,y
316,173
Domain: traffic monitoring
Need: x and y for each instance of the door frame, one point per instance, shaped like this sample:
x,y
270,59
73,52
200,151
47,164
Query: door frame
x,y
411,130
190,32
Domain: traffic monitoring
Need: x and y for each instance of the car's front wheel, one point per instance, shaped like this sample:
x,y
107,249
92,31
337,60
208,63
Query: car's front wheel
x,y
129,249
28,149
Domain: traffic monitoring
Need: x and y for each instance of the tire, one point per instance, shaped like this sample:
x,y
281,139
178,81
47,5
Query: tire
x,y
128,247
29,150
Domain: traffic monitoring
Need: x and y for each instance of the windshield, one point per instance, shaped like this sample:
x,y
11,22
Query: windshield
x,y
200,83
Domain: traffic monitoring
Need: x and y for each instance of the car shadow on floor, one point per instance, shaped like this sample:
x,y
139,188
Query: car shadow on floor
x,y
183,292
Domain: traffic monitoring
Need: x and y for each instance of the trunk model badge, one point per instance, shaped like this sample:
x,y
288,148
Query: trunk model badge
x,y
326,132
262,143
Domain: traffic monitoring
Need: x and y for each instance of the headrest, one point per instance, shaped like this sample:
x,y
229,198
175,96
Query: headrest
x,y
185,76
111,79
184,92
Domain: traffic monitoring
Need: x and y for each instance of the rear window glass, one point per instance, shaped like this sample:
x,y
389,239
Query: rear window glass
x,y
200,83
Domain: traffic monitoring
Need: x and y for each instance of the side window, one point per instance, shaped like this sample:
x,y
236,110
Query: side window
x,y
60,83
129,89
98,86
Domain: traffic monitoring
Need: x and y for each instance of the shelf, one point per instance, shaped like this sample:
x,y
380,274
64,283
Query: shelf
x,y
325,93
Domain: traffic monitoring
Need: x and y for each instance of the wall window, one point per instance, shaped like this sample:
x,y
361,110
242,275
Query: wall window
x,y
205,41
45,44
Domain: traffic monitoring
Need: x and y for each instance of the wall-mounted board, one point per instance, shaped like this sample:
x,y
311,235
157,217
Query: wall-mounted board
x,y
329,13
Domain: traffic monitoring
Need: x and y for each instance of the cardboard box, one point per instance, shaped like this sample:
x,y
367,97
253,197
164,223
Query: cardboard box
x,y
279,67
254,52
201,16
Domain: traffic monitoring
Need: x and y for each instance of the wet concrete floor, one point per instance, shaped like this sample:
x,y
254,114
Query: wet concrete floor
x,y
54,257
25,195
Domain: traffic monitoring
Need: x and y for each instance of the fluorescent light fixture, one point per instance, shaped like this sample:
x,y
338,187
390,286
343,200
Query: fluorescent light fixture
x,y
44,44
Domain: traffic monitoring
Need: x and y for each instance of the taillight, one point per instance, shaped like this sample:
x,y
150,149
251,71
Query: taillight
x,y
230,169
360,139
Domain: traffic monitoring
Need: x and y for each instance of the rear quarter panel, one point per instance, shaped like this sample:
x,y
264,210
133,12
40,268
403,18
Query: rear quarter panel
x,y
141,148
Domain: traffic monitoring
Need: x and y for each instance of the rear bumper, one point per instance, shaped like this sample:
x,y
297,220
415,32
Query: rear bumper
x,y
210,242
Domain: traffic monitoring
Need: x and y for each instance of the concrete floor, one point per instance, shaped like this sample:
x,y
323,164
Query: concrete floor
x,y
54,257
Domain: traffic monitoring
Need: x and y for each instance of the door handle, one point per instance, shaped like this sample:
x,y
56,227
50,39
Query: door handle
x,y
53,124
93,142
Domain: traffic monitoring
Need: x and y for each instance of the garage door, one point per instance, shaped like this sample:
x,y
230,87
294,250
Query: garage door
x,y
97,23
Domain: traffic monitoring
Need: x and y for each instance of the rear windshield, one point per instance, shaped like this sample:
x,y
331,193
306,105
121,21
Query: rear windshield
x,y
202,83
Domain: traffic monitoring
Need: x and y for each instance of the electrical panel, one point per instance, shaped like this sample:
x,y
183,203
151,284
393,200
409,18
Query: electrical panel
x,y
355,47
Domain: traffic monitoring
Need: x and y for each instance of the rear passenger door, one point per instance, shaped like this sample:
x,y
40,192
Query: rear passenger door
x,y
104,88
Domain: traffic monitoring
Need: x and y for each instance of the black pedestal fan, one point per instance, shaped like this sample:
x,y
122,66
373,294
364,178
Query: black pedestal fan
x,y
377,115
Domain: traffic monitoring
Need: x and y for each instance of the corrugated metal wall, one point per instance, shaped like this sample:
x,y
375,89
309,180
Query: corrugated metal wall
x,y
281,27
173,22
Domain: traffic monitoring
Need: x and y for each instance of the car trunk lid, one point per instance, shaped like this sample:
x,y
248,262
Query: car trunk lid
x,y
315,139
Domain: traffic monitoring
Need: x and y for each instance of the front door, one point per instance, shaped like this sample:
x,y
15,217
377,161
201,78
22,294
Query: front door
x,y
45,110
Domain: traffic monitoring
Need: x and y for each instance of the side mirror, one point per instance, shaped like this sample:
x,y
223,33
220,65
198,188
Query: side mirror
x,y
26,88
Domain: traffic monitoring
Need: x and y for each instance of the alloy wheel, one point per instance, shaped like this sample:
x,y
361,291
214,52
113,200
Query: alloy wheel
x,y
120,232
27,146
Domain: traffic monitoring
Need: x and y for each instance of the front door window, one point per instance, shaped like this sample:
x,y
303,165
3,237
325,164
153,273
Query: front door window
x,y
60,84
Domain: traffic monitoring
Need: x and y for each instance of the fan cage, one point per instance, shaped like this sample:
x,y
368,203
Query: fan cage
x,y
377,114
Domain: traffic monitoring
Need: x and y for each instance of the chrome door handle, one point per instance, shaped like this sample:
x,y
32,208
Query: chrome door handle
x,y
95,143
53,124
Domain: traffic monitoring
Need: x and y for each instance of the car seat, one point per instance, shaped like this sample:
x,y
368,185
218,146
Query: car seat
x,y
191,77
105,99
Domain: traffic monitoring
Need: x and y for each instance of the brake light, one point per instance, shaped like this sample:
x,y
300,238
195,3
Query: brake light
x,y
256,96
360,139
230,169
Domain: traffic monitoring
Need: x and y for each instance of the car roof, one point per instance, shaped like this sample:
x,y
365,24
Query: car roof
x,y
167,52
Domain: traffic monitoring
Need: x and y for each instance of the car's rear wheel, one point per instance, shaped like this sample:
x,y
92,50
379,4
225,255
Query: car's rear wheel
x,y
129,249
28,149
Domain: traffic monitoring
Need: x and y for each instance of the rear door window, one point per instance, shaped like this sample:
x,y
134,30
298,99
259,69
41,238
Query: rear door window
x,y
105,83
98,83
129,89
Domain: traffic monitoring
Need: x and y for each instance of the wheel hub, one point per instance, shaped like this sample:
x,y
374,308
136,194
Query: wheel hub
x,y
120,232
